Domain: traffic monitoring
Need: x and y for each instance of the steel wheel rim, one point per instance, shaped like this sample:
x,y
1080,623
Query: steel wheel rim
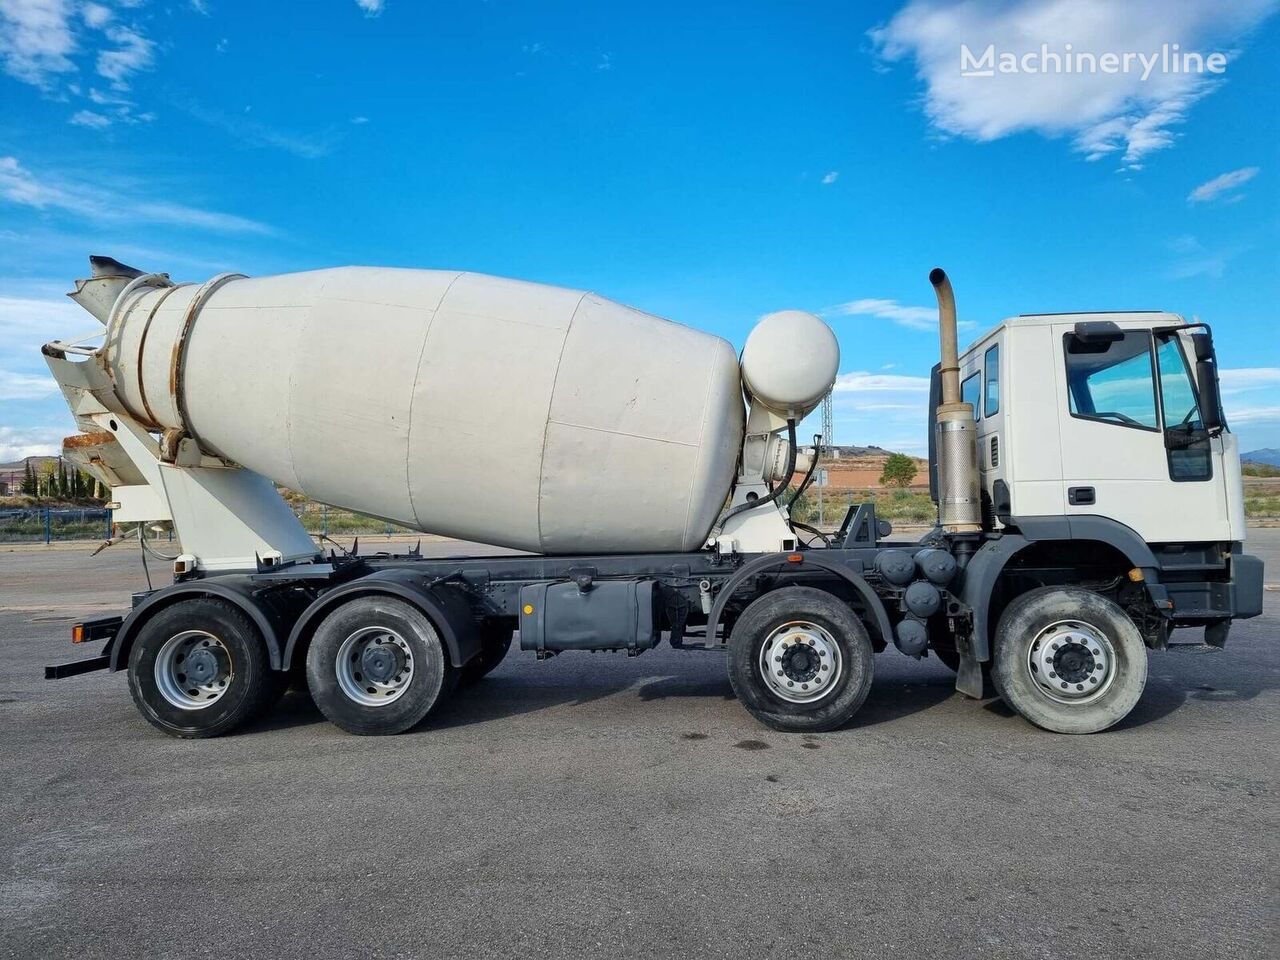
x,y
374,666
193,670
800,662
1071,662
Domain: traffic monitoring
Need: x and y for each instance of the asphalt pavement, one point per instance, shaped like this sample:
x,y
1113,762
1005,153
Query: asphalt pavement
x,y
599,806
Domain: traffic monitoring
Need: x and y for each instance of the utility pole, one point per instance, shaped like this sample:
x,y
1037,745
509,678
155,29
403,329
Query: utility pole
x,y
827,443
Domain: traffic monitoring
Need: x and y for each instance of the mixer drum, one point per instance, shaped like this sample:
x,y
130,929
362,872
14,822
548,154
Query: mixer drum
x,y
492,410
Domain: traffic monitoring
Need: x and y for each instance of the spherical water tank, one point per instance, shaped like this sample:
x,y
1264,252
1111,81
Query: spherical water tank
x,y
790,361
510,413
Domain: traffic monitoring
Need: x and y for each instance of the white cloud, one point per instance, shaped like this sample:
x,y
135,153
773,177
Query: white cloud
x,y
96,15
26,386
1238,415
371,8
359,120
254,133
18,443
87,118
201,7
1243,379
831,177
1223,185
913,318
1119,113
27,322
36,40
19,185
862,381
133,53
1194,259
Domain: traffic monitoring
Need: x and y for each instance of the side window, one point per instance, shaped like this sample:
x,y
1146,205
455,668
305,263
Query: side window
x,y
1189,459
970,389
1112,382
991,405
1176,391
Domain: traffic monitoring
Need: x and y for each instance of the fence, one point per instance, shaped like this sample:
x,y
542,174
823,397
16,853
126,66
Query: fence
x,y
324,520
46,524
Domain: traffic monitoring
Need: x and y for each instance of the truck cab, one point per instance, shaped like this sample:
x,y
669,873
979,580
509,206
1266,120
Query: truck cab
x,y
1104,459
1106,415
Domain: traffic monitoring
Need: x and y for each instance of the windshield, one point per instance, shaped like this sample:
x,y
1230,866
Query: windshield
x,y
1113,380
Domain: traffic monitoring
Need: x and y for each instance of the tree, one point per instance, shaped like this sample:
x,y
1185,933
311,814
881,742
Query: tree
x,y
28,479
899,470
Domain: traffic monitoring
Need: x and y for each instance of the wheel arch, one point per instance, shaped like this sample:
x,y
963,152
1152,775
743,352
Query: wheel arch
x,y
987,566
877,620
271,624
444,606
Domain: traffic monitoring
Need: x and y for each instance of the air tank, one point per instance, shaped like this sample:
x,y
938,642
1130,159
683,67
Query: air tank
x,y
493,410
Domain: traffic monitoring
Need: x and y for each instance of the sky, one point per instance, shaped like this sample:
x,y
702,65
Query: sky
x,y
707,162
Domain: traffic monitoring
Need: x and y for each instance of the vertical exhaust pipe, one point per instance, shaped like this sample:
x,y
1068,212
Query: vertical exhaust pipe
x,y
959,503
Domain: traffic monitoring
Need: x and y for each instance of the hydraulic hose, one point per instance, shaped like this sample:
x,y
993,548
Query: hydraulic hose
x,y
813,468
777,491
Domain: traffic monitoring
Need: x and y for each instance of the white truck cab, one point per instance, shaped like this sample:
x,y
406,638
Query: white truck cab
x,y
1099,415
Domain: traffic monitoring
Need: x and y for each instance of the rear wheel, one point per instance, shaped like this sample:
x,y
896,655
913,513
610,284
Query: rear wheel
x,y
800,660
376,665
199,668
1069,660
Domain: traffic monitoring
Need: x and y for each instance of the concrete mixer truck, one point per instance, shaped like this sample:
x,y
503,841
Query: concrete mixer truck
x,y
1088,493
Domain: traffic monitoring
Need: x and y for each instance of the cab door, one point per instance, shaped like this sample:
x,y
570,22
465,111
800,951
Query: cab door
x,y
1114,458
980,386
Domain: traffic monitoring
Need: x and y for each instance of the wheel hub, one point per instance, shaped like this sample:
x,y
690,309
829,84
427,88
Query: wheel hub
x,y
374,666
800,662
203,665
1072,662
193,670
381,661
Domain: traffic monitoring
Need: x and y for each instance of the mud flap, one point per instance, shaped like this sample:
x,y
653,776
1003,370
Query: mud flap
x,y
973,681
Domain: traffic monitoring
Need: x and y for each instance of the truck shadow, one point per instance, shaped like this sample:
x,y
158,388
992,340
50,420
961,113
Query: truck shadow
x,y
1181,679
900,693
499,697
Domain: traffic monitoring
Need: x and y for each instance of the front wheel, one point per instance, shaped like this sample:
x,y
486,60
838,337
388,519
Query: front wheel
x,y
800,660
376,665
1069,660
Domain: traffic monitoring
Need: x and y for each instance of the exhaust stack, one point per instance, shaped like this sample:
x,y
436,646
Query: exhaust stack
x,y
959,506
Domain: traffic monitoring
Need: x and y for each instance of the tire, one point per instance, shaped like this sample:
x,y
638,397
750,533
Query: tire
x,y
804,619
393,669
495,641
1089,681
235,682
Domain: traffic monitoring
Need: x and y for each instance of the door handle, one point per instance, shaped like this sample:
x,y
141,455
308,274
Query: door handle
x,y
1080,496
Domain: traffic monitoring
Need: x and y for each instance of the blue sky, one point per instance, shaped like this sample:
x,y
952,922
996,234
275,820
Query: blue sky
x,y
706,162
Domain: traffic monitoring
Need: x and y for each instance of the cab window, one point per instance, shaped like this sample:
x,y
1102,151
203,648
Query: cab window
x,y
1112,382
1189,459
991,403
970,389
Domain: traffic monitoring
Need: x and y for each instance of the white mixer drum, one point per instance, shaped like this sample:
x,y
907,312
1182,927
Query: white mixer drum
x,y
493,410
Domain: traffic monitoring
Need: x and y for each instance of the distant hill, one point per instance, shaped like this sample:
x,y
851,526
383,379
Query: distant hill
x,y
1268,455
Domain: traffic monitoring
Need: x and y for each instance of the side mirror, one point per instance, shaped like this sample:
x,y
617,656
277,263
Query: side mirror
x,y
1207,376
1203,345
